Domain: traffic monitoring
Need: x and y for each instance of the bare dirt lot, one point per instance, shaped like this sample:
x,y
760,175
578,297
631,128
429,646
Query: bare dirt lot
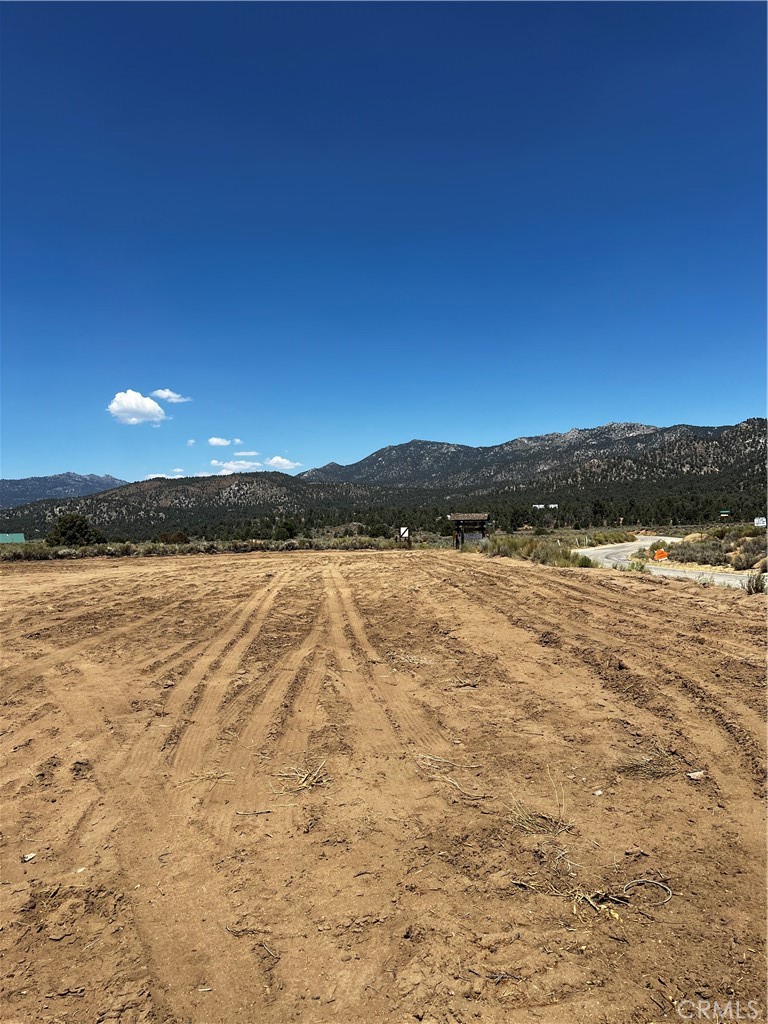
x,y
371,787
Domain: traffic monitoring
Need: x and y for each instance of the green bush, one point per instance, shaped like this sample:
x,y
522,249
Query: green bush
x,y
505,545
73,530
755,583
702,552
544,550
611,537
750,551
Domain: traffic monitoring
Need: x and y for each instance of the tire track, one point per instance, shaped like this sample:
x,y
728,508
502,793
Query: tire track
x,y
221,656
547,595
81,647
264,721
296,722
718,737
649,675
412,725
368,708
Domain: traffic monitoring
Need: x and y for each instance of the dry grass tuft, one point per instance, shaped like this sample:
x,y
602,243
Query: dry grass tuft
x,y
658,764
533,822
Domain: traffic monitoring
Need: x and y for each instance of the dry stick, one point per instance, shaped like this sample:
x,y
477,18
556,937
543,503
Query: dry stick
x,y
252,812
208,777
453,764
472,796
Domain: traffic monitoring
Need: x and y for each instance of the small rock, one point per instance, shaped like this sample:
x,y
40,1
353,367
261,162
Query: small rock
x,y
695,775
635,853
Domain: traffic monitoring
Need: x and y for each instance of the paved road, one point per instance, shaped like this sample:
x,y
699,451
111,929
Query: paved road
x,y
620,555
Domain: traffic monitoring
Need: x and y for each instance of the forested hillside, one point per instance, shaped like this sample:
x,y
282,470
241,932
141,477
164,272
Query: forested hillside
x,y
620,474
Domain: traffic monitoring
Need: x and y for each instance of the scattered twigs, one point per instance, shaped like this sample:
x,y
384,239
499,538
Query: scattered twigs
x,y
411,659
452,782
304,778
562,860
215,776
442,760
504,976
249,813
651,881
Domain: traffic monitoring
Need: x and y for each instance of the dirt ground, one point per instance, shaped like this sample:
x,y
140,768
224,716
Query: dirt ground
x,y
396,786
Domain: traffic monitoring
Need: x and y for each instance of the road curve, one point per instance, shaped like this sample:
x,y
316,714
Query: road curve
x,y
618,556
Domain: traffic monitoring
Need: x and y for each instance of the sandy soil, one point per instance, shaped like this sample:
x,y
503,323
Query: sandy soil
x,y
377,787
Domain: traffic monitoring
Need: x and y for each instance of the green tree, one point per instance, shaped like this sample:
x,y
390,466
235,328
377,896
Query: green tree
x,y
74,531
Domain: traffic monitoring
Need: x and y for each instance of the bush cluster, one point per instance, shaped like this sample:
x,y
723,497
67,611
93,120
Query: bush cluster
x,y
739,548
611,537
37,550
544,550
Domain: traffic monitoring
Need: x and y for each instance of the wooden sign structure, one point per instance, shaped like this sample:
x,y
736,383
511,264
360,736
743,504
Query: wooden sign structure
x,y
404,536
468,522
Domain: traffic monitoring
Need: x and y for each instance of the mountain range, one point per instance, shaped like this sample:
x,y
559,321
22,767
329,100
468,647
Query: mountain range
x,y
616,451
62,485
620,471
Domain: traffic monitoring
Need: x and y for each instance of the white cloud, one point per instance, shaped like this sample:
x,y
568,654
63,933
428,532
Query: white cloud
x,y
190,442
131,407
246,453
278,462
237,440
156,476
219,442
235,466
166,395
177,470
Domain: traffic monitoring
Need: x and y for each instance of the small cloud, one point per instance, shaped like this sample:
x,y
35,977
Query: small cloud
x,y
166,395
235,466
219,442
246,453
237,440
278,462
131,407
157,476
191,442
177,470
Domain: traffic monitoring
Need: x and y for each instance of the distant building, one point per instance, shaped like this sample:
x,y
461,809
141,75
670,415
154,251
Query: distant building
x,y
12,538
539,506
553,506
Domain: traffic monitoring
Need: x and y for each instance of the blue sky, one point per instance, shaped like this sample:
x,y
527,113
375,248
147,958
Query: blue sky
x,y
339,226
